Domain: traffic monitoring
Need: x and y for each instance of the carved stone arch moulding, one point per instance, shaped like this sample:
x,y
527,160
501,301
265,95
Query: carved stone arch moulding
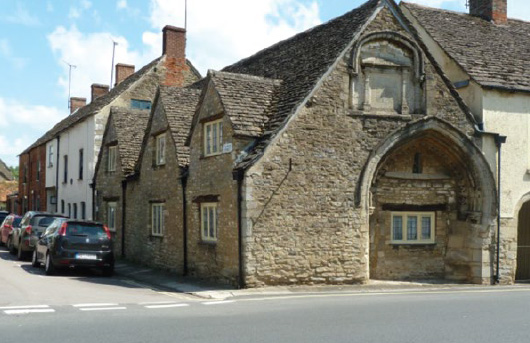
x,y
387,74
419,66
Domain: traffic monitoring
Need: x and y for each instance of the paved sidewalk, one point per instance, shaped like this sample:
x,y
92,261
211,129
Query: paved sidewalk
x,y
165,281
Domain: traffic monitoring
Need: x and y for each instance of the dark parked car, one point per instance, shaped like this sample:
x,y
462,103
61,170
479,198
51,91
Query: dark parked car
x,y
69,243
32,225
3,215
11,221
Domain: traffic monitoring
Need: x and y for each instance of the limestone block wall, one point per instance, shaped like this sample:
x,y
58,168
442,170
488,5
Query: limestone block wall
x,y
109,189
156,184
301,220
211,180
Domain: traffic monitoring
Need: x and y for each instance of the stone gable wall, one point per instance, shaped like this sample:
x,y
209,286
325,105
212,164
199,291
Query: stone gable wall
x,y
212,176
301,223
109,189
156,184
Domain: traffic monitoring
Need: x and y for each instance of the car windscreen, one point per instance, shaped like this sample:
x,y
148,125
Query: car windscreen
x,y
86,230
42,221
16,221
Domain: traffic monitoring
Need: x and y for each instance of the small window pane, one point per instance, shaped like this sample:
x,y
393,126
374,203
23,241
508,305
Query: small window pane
x,y
208,139
205,223
425,227
214,132
412,228
212,222
397,228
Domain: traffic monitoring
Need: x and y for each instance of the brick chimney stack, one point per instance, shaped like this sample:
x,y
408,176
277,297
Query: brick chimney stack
x,y
493,10
174,49
76,103
123,71
98,90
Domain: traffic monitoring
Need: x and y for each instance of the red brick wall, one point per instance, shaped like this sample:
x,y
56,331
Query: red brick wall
x,y
32,184
174,48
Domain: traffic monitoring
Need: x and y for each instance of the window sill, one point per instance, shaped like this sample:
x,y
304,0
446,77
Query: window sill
x,y
413,245
208,243
151,236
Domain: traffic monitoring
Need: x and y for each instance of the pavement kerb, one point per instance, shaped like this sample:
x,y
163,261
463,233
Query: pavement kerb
x,y
164,281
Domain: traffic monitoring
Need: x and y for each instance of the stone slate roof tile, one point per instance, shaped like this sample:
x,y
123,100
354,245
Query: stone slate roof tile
x,y
299,62
5,173
493,55
130,127
95,106
249,101
179,106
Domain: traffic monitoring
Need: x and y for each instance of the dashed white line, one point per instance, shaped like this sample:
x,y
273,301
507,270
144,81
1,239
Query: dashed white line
x,y
103,308
27,311
23,307
166,306
95,305
218,302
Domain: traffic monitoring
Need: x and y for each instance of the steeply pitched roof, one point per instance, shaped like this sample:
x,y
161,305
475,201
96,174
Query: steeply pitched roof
x,y
5,173
95,106
7,188
493,55
302,60
179,106
129,126
248,100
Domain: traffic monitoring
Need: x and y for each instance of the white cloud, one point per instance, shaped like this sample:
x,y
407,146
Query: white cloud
x,y
92,55
121,4
76,12
22,16
34,119
222,32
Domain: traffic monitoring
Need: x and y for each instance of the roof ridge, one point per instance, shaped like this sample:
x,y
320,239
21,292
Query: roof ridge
x,y
300,34
242,76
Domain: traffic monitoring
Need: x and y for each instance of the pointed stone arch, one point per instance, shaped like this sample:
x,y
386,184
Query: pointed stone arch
x,y
466,250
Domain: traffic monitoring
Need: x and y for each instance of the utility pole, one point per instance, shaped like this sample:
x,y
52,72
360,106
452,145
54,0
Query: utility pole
x,y
186,15
114,43
70,66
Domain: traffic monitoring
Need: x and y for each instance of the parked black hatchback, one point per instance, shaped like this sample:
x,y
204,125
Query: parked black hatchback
x,y
69,243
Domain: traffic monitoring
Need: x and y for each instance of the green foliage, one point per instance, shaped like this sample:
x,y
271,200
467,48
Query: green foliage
x,y
14,171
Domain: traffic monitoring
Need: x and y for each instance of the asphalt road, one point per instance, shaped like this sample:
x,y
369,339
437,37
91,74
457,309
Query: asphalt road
x,y
85,307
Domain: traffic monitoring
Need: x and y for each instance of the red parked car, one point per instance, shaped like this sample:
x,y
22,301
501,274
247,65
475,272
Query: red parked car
x,y
9,222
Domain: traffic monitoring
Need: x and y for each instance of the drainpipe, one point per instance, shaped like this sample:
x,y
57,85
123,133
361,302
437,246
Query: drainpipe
x,y
123,215
239,175
184,181
57,175
499,140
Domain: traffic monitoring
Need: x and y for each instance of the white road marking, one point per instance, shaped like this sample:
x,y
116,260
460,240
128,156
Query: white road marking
x,y
94,305
23,307
219,302
167,306
27,311
103,308
157,302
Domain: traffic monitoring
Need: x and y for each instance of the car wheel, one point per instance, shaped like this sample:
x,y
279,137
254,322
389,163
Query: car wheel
x,y
20,253
48,266
34,261
10,246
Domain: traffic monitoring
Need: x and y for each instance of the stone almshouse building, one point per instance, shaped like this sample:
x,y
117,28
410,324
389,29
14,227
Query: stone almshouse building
x,y
339,155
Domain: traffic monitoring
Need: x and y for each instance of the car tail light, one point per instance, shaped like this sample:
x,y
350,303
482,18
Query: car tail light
x,y
62,230
107,231
28,229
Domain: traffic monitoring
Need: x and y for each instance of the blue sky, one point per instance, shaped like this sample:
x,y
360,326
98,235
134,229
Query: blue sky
x,y
39,37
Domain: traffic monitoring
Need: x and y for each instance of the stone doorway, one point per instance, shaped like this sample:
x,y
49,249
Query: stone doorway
x,y
523,244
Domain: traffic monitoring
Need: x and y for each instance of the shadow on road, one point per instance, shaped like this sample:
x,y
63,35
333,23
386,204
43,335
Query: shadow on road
x,y
80,274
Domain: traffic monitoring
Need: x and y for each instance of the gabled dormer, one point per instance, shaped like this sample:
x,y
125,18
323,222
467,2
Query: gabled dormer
x,y
234,110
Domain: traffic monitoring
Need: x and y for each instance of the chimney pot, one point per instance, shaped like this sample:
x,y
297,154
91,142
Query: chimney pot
x,y
76,103
98,90
174,42
491,10
123,71
174,50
